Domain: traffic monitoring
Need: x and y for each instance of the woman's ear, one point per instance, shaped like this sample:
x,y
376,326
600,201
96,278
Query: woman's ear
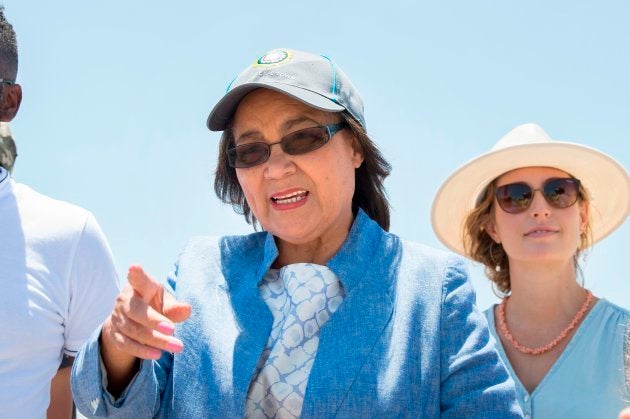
x,y
492,231
584,216
357,152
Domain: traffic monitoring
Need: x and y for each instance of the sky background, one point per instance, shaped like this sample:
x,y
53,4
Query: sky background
x,y
116,95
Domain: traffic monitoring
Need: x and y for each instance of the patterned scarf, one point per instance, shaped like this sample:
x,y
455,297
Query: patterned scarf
x,y
8,151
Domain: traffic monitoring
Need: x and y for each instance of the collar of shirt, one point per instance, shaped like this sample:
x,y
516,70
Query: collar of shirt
x,y
364,238
5,181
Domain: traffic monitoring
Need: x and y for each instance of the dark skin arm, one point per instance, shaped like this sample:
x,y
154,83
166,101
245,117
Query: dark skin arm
x,y
60,406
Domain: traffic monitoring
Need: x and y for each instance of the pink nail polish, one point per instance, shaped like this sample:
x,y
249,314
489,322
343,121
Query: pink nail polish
x,y
155,353
174,346
165,327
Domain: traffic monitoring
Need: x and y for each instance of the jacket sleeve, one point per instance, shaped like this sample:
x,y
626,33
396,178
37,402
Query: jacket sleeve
x,y
143,396
474,381
140,399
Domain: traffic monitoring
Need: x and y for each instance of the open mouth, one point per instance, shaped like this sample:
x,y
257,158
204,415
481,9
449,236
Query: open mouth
x,y
290,198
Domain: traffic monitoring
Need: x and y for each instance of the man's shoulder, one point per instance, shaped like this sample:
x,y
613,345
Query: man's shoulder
x,y
29,196
51,214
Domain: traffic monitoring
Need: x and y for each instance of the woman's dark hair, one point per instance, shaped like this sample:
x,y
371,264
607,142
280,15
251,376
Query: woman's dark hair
x,y
369,192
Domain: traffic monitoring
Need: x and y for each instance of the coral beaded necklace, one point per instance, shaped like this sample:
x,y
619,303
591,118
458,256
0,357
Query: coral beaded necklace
x,y
546,348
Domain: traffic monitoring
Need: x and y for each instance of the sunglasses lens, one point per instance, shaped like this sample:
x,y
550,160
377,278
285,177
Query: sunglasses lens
x,y
248,155
514,198
295,143
304,140
561,193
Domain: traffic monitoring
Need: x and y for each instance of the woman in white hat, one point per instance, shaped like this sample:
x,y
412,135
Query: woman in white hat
x,y
527,210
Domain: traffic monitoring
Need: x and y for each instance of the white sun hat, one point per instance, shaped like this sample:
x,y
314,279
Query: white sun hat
x,y
528,145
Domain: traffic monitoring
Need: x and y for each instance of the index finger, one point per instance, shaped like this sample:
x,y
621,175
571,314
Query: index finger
x,y
147,287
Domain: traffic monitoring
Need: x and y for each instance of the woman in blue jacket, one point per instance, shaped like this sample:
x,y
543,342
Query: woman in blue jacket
x,y
323,313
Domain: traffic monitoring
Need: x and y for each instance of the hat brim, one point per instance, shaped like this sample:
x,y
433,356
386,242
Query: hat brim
x,y
607,183
224,110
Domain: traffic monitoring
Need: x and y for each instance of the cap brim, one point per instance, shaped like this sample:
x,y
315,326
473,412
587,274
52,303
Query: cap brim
x,y
607,182
224,110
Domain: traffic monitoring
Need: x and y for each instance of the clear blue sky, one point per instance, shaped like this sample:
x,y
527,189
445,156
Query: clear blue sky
x,y
116,94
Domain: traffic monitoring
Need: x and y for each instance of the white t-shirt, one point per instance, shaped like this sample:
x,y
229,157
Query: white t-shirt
x,y
57,284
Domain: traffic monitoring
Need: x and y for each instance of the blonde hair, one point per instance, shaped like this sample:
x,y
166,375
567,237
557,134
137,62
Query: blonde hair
x,y
480,247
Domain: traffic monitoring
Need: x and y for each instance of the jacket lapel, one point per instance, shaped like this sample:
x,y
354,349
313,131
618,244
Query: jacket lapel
x,y
348,338
245,270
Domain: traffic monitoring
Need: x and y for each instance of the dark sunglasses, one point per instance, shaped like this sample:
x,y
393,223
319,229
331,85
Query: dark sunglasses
x,y
295,143
559,193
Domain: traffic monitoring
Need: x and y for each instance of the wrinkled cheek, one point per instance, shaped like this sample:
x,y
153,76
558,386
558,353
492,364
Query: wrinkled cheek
x,y
249,191
254,205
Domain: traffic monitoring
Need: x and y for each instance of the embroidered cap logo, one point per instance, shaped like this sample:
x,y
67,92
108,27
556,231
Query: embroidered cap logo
x,y
276,56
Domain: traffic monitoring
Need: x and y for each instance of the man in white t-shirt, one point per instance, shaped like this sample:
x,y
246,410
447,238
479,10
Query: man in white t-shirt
x,y
57,278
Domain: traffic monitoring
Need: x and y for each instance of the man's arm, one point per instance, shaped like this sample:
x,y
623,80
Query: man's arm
x,y
60,406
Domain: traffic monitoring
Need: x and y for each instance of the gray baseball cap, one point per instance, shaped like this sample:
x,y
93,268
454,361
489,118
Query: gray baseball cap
x,y
312,79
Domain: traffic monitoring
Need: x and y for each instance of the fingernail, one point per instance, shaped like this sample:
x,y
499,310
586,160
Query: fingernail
x,y
175,346
155,353
166,327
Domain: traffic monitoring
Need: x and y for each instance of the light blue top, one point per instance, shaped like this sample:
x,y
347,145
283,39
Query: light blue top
x,y
588,379
407,340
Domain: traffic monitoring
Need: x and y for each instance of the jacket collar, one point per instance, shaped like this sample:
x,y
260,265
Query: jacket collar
x,y
5,182
270,254
362,241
